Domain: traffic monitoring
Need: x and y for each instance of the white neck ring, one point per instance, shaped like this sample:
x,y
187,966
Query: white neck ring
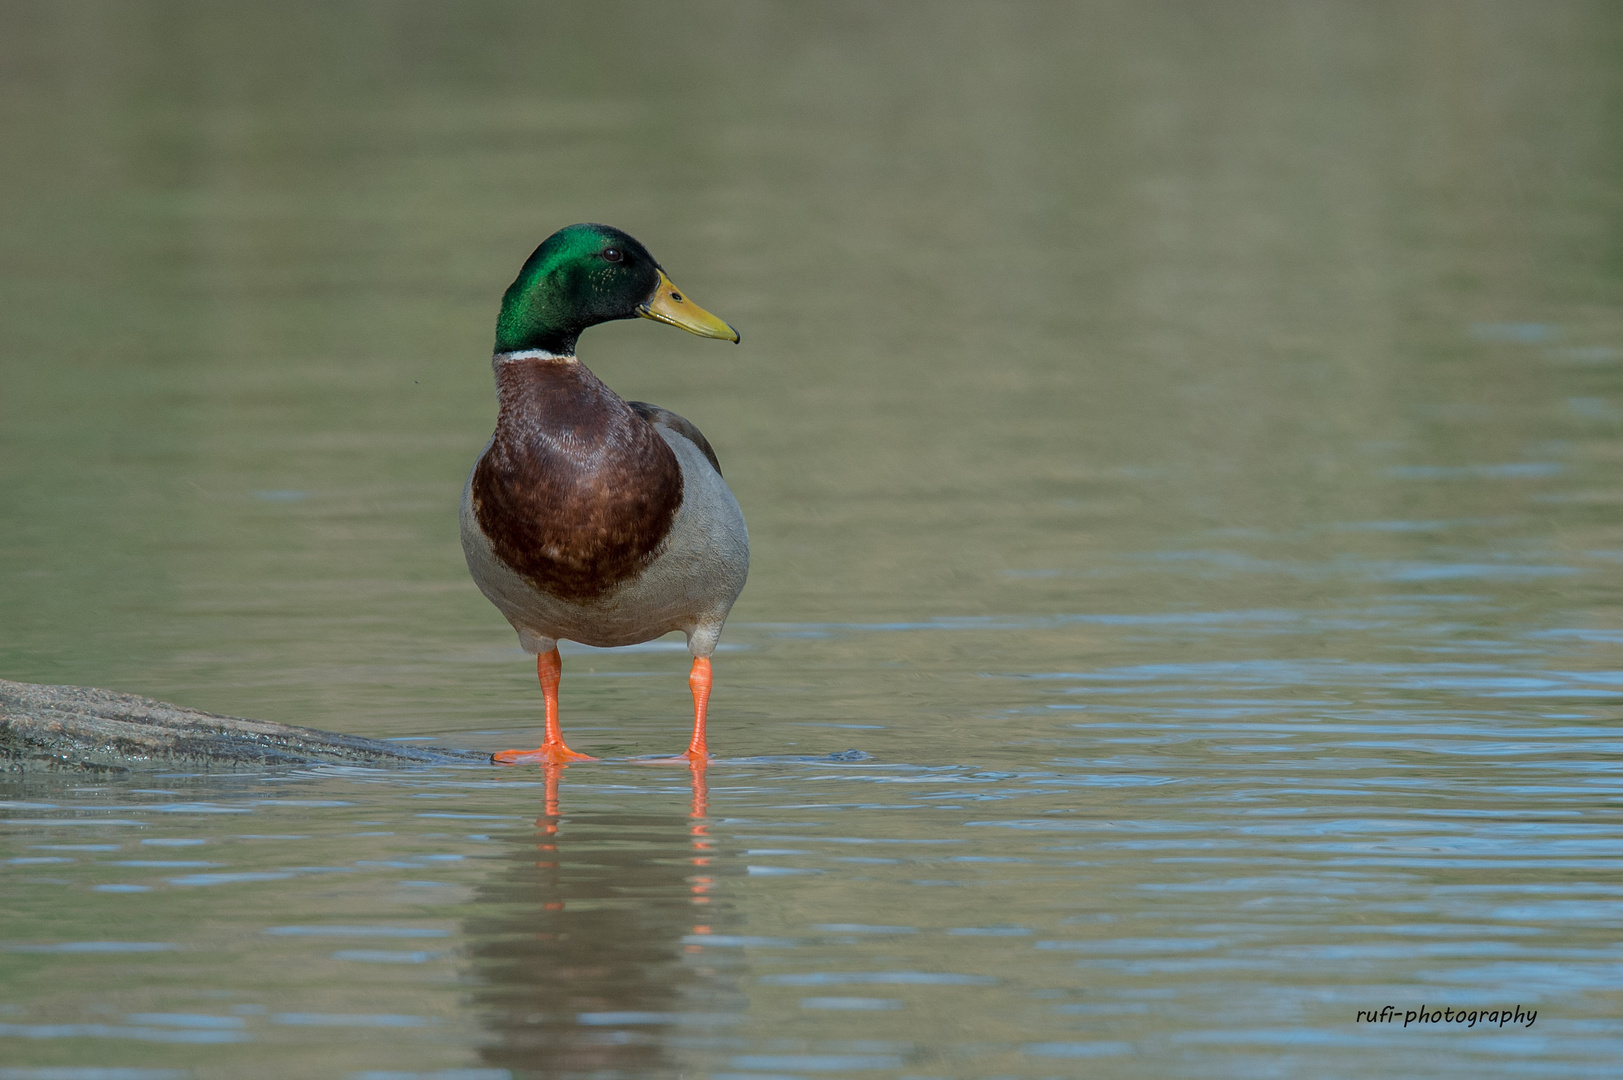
x,y
528,354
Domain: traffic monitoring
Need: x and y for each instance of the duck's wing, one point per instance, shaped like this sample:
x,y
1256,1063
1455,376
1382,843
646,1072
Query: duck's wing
x,y
681,425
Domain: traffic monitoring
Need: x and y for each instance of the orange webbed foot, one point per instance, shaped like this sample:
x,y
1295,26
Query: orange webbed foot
x,y
552,750
698,759
546,754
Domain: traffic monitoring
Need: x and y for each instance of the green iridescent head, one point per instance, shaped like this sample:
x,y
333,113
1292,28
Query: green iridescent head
x,y
583,275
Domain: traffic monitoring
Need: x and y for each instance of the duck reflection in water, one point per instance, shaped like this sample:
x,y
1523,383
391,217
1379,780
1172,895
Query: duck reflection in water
x,y
578,954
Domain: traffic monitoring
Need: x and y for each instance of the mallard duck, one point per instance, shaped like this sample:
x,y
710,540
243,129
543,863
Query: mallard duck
x,y
588,517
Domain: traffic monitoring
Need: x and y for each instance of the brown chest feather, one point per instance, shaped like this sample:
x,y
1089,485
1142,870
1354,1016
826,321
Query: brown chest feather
x,y
577,491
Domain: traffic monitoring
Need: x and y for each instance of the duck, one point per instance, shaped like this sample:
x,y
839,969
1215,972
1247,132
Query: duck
x,y
587,517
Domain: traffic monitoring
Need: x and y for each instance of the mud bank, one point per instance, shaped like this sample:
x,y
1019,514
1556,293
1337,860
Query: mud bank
x,y
79,728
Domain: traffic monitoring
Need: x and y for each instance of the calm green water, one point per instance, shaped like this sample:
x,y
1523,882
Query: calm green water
x,y
1180,445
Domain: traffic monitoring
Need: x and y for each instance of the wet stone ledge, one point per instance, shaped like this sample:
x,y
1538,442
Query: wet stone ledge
x,y
77,728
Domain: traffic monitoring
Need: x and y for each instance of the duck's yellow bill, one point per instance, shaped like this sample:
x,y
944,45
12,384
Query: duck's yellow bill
x,y
670,305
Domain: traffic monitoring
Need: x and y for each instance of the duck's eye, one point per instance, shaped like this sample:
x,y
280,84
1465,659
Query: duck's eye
x,y
613,254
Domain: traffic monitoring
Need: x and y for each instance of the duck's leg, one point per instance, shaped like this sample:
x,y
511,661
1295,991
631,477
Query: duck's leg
x,y
549,667
699,683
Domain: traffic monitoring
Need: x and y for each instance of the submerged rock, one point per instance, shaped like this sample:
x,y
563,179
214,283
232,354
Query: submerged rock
x,y
82,728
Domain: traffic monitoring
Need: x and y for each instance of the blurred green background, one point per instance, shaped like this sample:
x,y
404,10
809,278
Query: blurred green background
x,y
1026,290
